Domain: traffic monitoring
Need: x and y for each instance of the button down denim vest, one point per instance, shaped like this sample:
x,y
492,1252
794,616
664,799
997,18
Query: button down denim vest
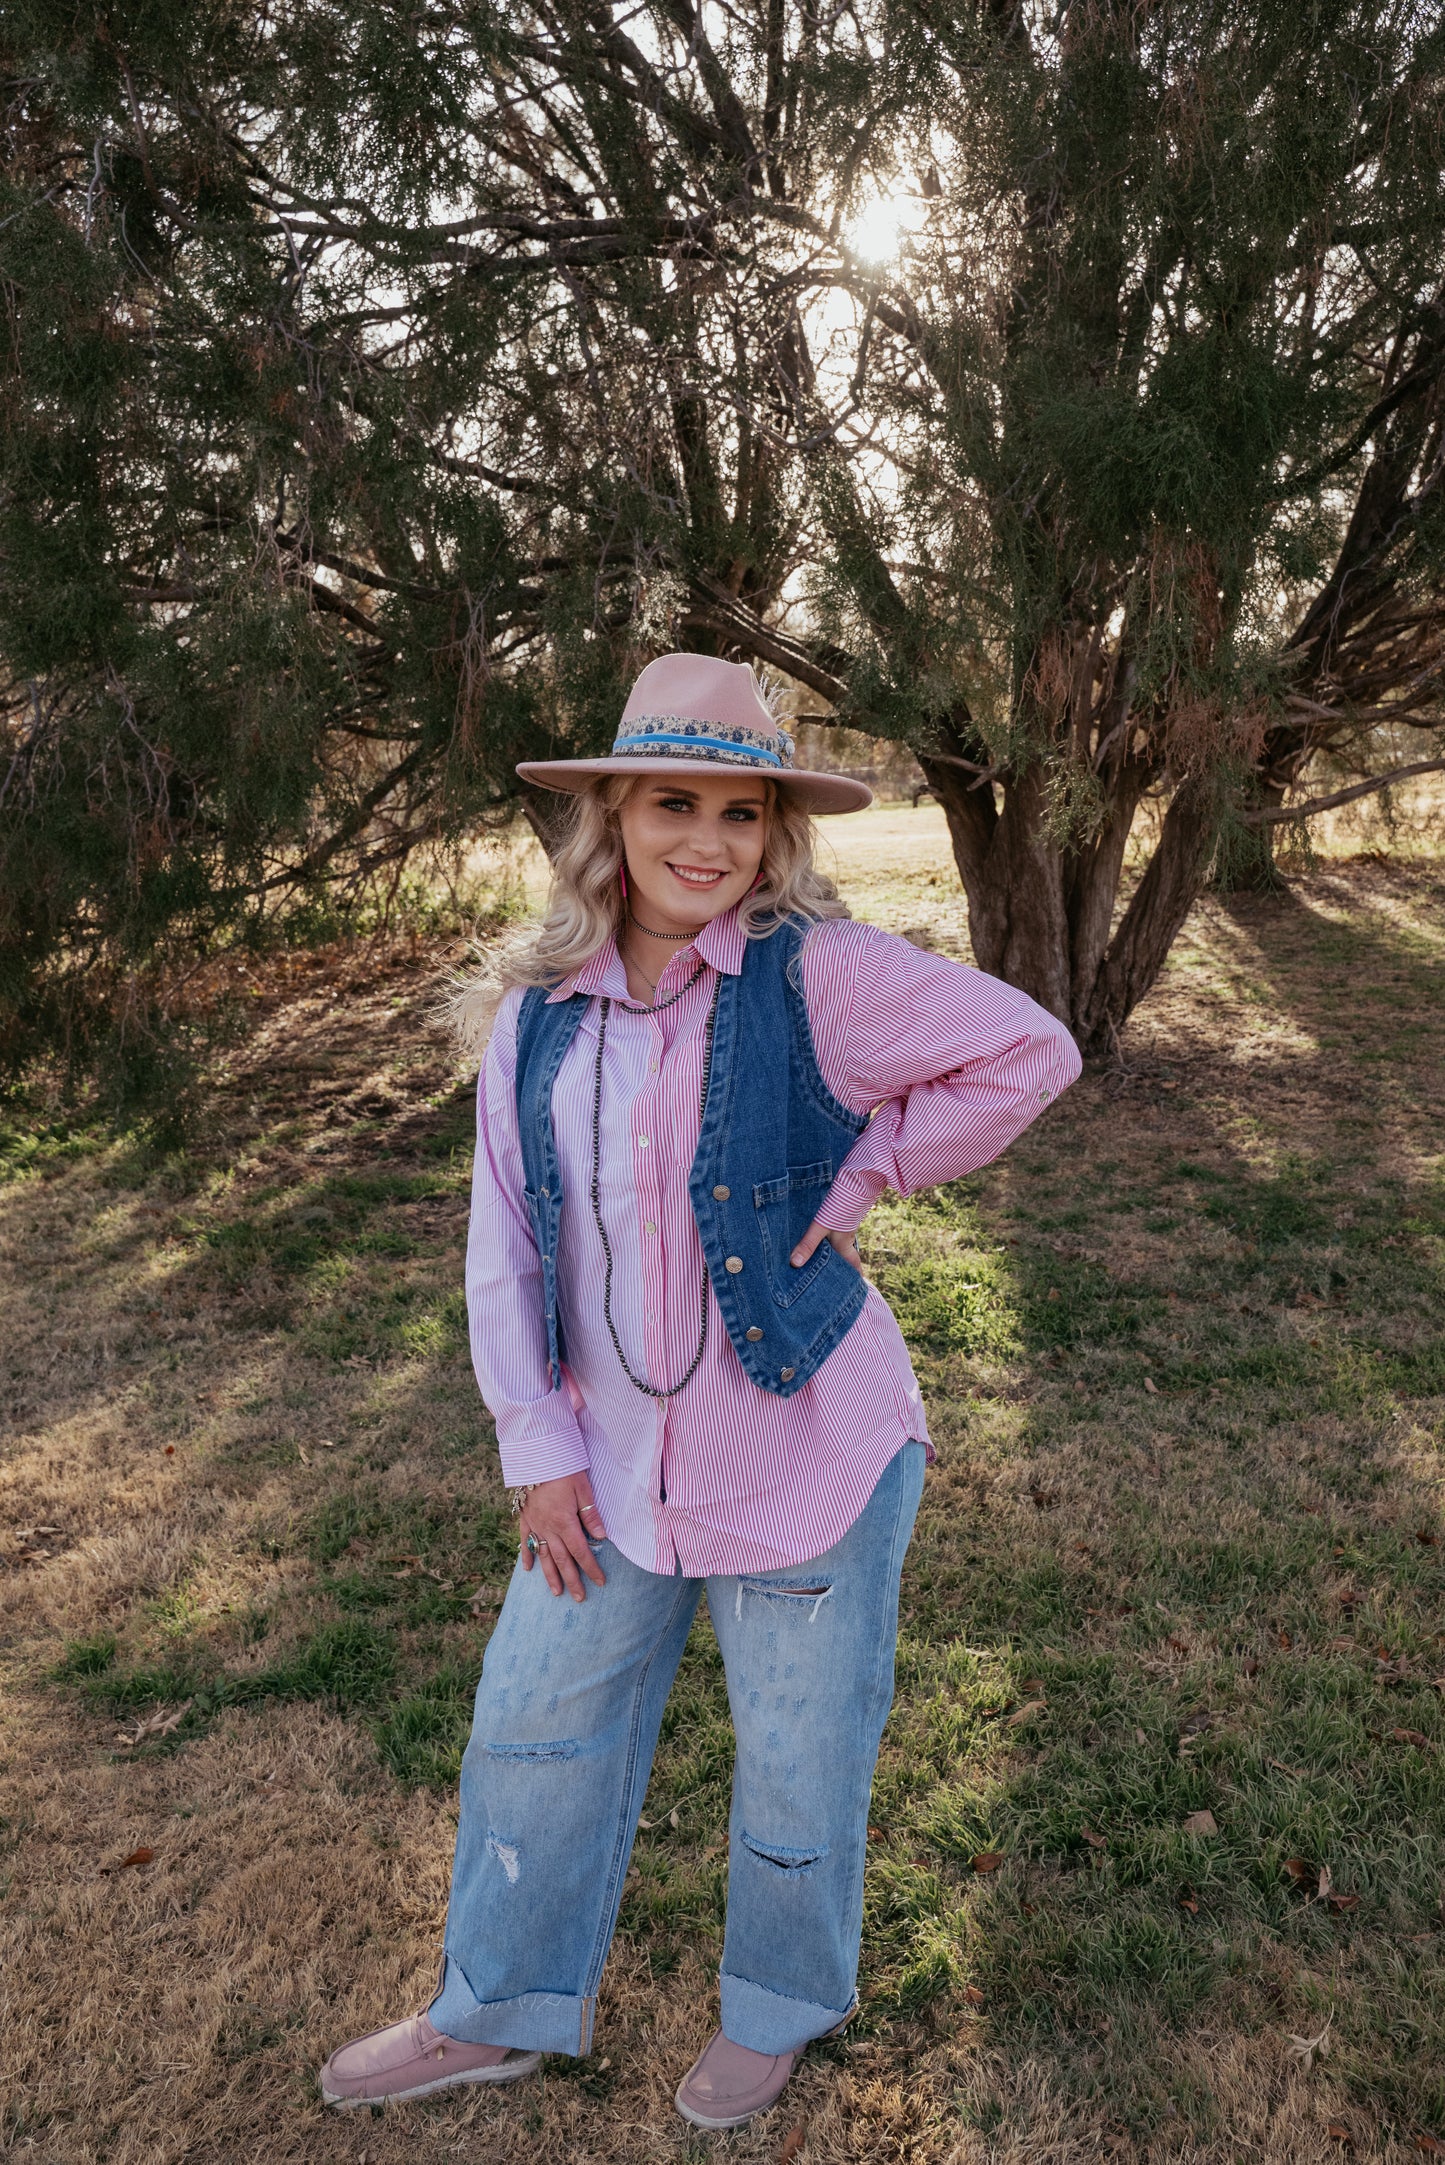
x,y
773,1138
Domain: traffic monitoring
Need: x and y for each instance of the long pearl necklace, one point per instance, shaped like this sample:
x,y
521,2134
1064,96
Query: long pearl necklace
x,y
641,1383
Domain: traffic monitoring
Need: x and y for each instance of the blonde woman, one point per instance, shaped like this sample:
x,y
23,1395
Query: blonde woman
x,y
701,1077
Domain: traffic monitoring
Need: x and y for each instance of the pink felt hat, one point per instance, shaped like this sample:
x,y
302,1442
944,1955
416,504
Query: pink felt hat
x,y
690,714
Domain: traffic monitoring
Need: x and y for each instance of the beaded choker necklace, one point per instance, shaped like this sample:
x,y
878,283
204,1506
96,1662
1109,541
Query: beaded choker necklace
x,y
678,938
641,1383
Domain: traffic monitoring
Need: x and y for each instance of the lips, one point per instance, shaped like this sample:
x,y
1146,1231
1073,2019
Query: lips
x,y
694,876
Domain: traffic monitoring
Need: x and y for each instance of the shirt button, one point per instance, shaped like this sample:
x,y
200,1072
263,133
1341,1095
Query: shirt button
x,y
755,1334
649,1227
652,1067
733,1263
786,1375
642,1142
720,1195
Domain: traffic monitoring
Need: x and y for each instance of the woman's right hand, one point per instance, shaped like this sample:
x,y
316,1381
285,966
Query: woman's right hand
x,y
564,1521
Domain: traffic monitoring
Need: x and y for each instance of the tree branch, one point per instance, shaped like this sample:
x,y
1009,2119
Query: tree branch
x,y
1343,796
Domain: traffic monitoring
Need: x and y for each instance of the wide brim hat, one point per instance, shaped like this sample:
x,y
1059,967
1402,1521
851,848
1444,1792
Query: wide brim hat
x,y
691,714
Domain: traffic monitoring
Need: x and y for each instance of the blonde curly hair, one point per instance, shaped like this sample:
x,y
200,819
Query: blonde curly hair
x,y
585,906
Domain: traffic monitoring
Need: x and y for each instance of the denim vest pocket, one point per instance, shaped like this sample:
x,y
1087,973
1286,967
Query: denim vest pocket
x,y
786,1208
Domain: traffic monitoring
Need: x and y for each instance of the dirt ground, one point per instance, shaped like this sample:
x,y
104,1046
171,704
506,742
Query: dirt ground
x,y
1183,1355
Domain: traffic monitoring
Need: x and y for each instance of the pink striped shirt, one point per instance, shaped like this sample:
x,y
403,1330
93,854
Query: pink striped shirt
x,y
724,1477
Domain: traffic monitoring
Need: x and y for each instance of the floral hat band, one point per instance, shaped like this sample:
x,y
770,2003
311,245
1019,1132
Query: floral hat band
x,y
675,736
698,715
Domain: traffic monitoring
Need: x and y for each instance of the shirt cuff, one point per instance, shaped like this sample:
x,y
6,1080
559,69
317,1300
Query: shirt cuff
x,y
531,1458
850,1199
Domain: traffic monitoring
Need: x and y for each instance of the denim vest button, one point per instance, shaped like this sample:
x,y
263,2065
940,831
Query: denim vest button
x,y
786,1375
720,1195
733,1263
755,1334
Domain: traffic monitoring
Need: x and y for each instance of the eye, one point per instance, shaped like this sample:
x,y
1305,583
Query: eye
x,y
742,815
674,804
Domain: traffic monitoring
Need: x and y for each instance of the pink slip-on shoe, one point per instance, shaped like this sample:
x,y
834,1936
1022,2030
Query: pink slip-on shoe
x,y
412,2059
729,2084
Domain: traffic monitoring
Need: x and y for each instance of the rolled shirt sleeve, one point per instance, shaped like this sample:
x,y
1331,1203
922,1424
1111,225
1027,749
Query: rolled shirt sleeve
x,y
537,1428
953,1064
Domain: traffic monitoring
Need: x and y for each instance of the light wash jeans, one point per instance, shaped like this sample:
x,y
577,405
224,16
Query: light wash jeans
x,y
566,1724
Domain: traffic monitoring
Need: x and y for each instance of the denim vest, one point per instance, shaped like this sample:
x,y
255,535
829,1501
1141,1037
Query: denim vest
x,y
773,1137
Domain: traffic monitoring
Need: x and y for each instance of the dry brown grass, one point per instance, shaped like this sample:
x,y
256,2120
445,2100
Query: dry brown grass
x,y
174,1365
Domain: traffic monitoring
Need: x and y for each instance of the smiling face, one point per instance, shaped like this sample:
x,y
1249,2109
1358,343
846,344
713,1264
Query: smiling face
x,y
693,845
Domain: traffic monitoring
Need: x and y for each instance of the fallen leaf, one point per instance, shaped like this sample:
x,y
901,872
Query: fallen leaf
x,y
1180,1646
974,1997
1032,1687
170,1450
875,1834
1430,2146
1095,1841
137,1856
303,1454
1301,1873
1307,2049
1326,1882
647,1825
1342,1646
988,1860
1200,1823
1426,1539
1249,1666
1188,1899
1043,1499
1025,1713
1341,1902
1285,1640
155,1725
1195,1724
1151,1386
1351,1597
793,2143
1300,1773
1139,1737
1411,1736
1338,2132
674,1822
326,1443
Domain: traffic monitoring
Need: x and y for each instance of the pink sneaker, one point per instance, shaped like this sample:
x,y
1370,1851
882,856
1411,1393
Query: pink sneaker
x,y
730,2084
412,2059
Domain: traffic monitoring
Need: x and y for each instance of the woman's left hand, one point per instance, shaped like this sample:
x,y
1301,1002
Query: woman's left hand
x,y
845,1243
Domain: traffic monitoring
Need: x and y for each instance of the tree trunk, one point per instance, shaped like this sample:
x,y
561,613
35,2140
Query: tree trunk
x,y
1245,862
1159,905
1039,914
1013,875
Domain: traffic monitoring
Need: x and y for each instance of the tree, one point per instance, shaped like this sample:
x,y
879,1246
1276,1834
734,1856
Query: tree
x,y
384,384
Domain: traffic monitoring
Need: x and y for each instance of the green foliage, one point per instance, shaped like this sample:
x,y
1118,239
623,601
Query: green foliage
x,y
348,456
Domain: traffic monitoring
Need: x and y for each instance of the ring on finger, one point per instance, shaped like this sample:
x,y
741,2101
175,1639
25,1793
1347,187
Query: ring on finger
x,y
533,1546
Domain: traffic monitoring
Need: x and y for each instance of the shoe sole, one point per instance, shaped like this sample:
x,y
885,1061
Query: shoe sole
x,y
504,2072
741,2119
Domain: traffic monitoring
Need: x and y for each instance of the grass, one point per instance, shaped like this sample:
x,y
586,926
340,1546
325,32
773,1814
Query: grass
x,y
1181,1554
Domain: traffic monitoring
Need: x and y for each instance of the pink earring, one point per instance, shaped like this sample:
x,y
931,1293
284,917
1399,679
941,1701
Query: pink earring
x,y
622,875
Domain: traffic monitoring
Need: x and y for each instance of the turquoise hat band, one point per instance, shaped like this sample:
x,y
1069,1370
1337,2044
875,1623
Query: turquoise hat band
x,y
668,746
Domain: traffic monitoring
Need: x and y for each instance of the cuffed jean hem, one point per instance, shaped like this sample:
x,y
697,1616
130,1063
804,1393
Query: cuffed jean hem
x,y
532,2022
773,2021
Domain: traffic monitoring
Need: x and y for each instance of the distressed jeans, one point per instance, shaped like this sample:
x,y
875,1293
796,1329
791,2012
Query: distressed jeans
x,y
566,1724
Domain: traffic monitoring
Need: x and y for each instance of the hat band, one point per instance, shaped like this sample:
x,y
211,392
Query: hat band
x,y
677,736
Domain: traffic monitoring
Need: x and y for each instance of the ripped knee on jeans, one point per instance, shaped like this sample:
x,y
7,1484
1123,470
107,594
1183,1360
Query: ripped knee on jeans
x,y
779,1591
790,1863
506,1856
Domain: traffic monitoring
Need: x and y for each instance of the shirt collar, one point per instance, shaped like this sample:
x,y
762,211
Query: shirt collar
x,y
721,944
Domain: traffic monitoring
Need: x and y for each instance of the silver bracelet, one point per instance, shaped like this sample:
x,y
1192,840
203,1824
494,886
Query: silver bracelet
x,y
519,1498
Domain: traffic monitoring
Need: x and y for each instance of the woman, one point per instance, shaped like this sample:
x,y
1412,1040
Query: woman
x,y
703,1076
